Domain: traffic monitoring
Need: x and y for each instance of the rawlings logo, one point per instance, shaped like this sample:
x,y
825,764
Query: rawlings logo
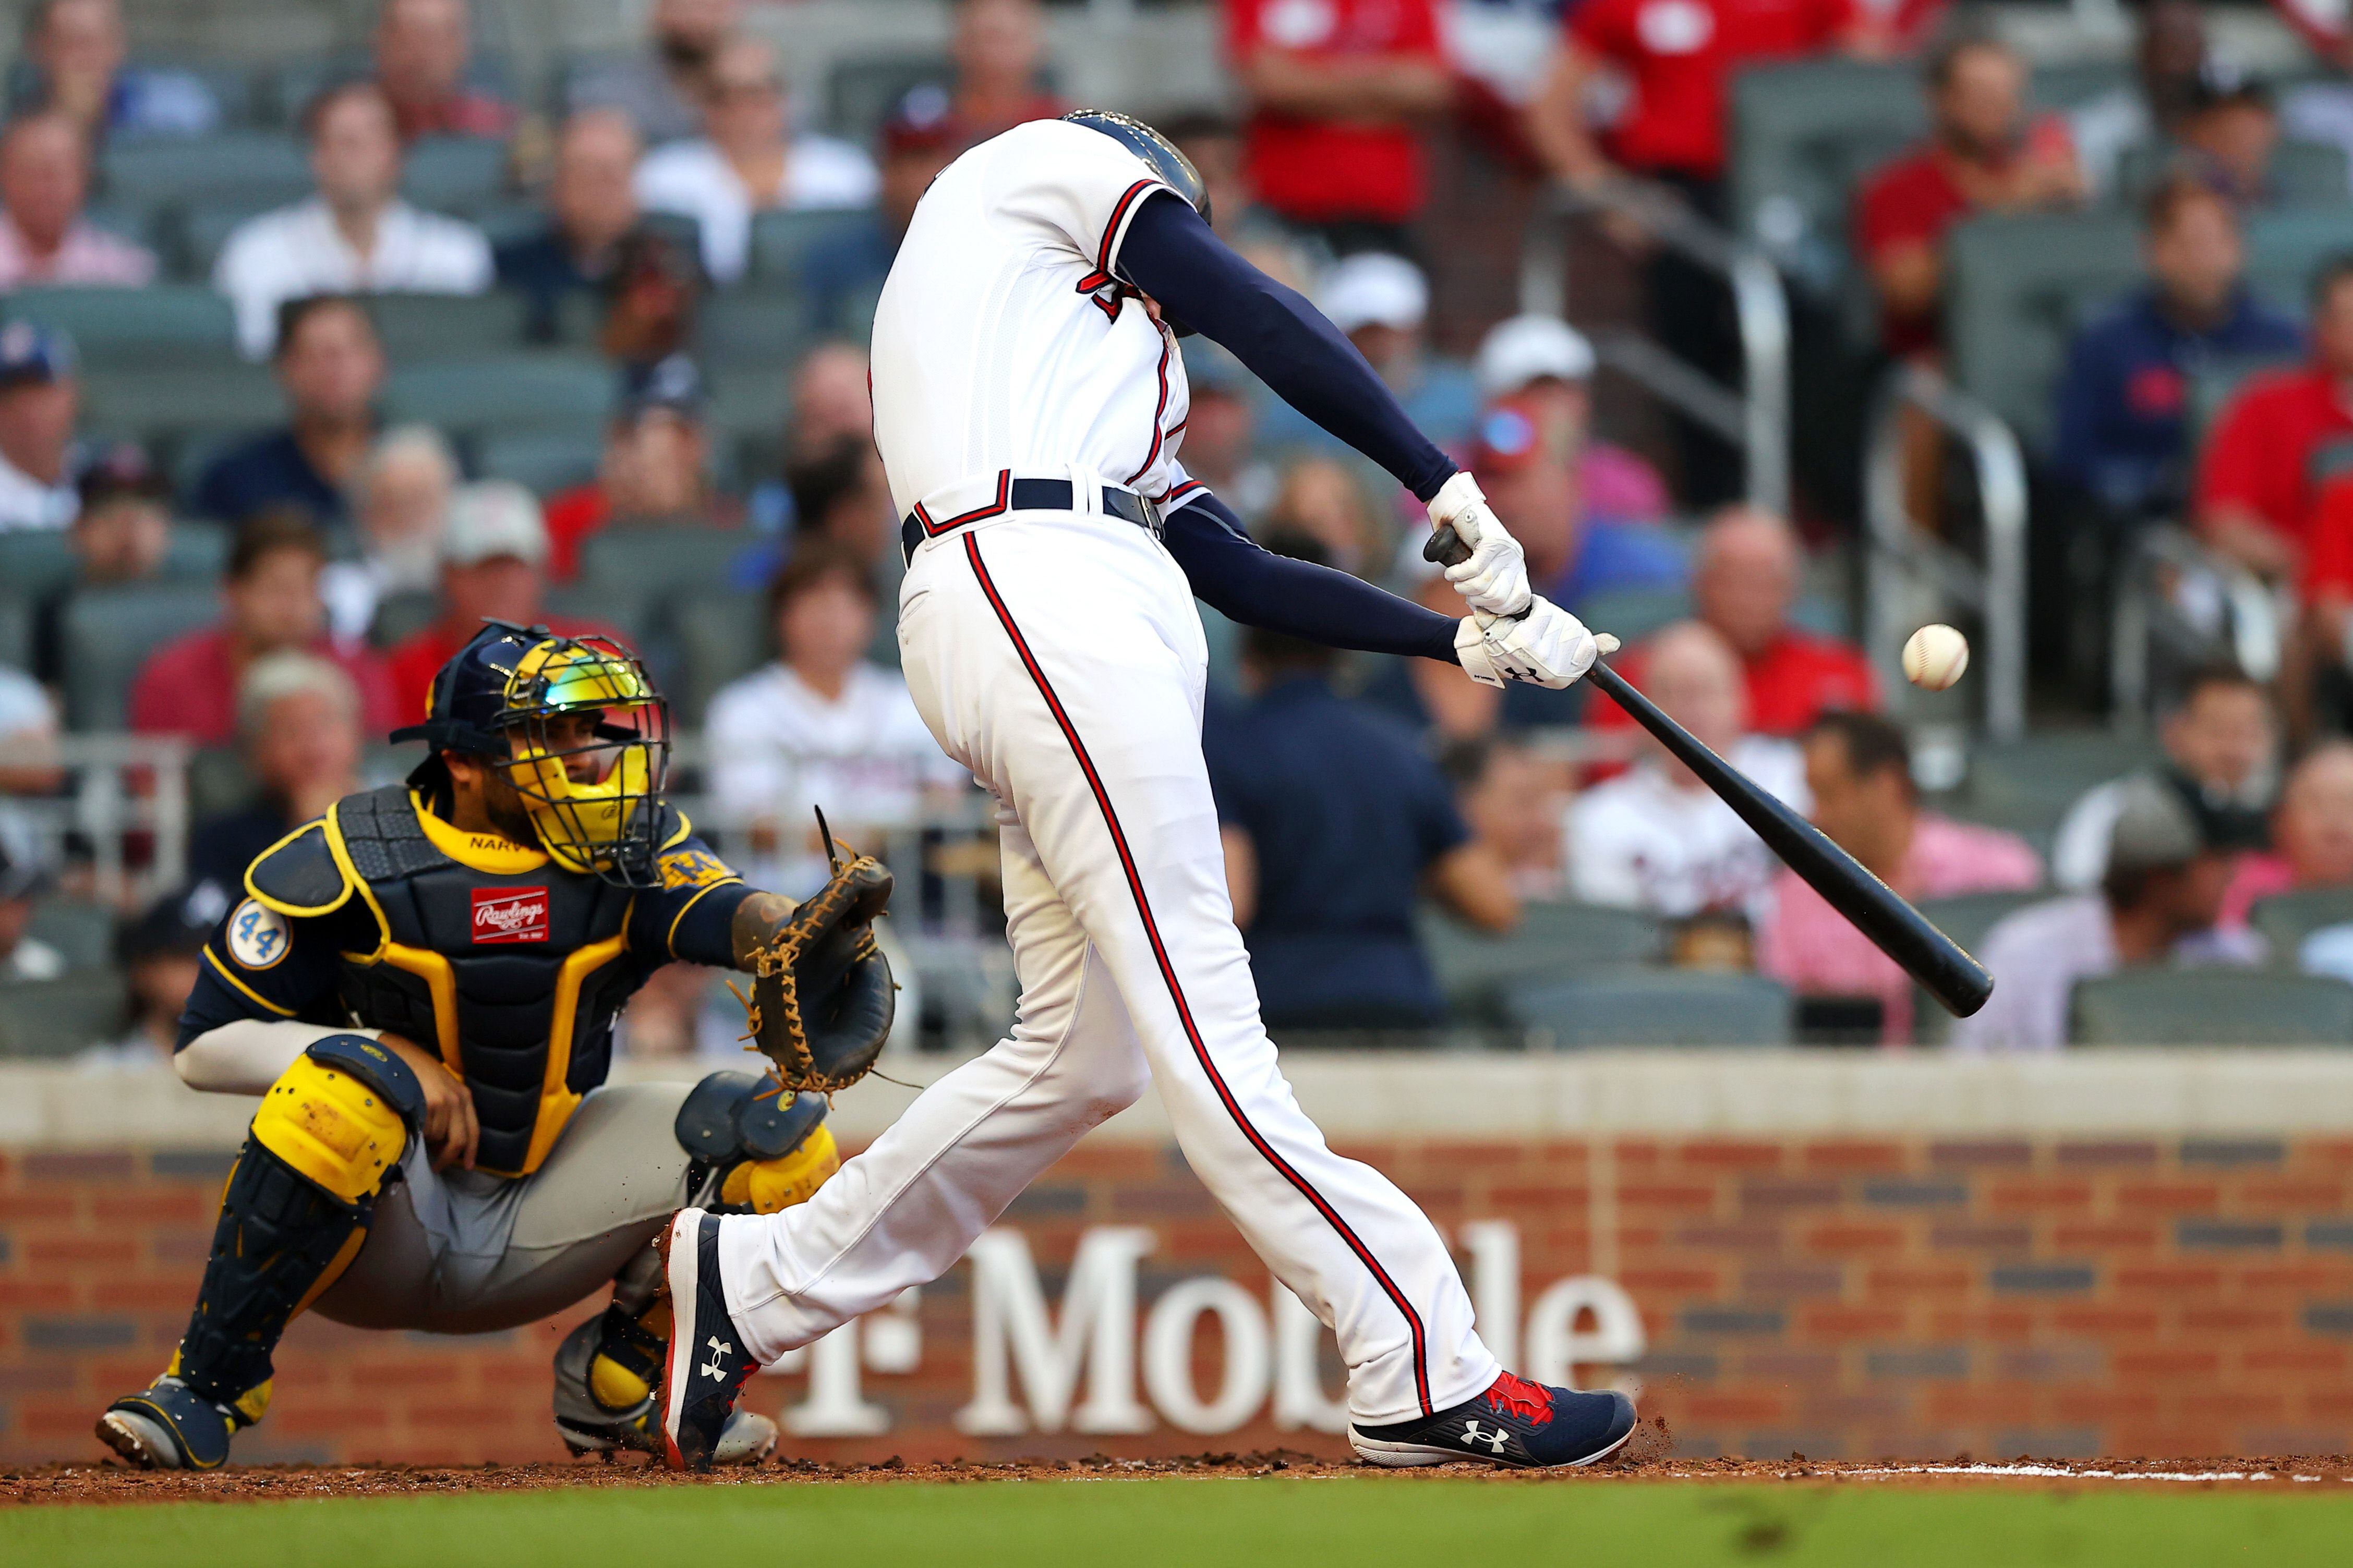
x,y
511,914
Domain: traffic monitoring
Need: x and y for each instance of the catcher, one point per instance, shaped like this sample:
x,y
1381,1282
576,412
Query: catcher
x,y
421,985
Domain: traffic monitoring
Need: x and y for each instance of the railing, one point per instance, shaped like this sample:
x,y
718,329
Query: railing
x,y
1755,419
2171,588
122,810
1903,556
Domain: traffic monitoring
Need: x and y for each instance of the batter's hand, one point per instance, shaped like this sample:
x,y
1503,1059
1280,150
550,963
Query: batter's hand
x,y
1547,646
1493,578
451,1130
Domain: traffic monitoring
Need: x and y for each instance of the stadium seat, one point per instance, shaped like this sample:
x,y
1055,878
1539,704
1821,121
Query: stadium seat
x,y
420,327
401,614
780,240
648,567
195,234
82,931
16,632
258,168
458,174
58,1017
168,402
2285,249
861,93
109,632
1804,135
34,564
2212,1007
198,552
2027,785
1966,918
2016,289
755,330
2303,173
514,392
749,400
726,637
1553,938
1656,1007
137,327
2284,920
545,462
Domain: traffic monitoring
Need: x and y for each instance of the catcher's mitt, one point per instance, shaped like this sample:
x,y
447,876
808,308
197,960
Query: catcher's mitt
x,y
822,997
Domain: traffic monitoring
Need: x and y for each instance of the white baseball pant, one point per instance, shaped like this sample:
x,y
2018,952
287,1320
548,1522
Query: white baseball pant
x,y
1059,658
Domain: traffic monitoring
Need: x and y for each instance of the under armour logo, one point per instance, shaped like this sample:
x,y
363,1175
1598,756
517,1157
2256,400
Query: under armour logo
x,y
719,1347
1473,1436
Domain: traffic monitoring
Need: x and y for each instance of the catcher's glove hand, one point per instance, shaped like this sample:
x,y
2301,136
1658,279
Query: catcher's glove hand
x,y
822,997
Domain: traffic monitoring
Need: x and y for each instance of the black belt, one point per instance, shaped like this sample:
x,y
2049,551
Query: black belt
x,y
1026,495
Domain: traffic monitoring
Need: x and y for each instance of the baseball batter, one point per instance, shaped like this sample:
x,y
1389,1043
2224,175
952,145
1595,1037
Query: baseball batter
x,y
1029,402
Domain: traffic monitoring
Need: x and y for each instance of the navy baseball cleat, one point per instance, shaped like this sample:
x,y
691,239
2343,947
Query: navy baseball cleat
x,y
706,1368
1519,1424
169,1426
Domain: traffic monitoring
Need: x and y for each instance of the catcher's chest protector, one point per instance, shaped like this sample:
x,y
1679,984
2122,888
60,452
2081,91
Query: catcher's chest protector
x,y
513,975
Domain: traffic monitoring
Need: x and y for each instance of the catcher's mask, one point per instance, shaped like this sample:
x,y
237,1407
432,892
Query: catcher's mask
x,y
576,725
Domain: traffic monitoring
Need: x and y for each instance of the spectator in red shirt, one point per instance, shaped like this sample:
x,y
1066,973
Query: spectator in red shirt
x,y
1744,582
1337,90
1982,155
270,604
2259,482
653,473
999,48
493,567
422,47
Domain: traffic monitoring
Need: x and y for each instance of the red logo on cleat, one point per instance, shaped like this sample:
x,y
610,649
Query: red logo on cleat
x,y
1531,1402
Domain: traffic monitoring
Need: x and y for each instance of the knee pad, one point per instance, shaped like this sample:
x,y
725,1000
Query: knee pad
x,y
773,1147
341,1115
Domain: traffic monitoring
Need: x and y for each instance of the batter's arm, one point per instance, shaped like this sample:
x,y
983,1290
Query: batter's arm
x,y
1234,576
1170,255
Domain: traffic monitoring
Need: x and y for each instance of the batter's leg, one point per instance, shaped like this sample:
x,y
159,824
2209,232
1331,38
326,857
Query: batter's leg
x,y
1096,743
905,1210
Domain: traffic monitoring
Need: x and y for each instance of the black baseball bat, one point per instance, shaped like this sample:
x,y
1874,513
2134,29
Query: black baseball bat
x,y
1957,981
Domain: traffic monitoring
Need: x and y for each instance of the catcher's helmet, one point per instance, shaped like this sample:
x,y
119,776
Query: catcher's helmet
x,y
577,728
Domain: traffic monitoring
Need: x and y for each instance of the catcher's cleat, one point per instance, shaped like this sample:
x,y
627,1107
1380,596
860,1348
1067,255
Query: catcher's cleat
x,y
596,1413
707,1366
1516,1424
170,1426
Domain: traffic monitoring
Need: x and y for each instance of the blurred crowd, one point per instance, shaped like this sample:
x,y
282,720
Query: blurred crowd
x,y
1366,803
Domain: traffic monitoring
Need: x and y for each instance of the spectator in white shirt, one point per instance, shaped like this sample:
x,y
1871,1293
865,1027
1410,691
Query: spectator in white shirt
x,y
44,239
355,237
40,400
1656,837
401,503
748,160
822,727
2157,904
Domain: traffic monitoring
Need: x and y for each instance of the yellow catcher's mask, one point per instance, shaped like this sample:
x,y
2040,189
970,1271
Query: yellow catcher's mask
x,y
589,750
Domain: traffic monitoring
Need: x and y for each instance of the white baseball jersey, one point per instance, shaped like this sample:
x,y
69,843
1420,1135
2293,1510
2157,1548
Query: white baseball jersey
x,y
1058,654
1000,339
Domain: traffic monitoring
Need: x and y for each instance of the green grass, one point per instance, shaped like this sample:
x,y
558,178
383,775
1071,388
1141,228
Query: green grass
x,y
1230,1523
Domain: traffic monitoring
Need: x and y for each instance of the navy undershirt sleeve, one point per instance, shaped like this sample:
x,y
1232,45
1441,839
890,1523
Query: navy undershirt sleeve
x,y
1171,254
1233,576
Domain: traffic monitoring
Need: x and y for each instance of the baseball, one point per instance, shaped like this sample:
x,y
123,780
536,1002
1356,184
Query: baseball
x,y
1935,657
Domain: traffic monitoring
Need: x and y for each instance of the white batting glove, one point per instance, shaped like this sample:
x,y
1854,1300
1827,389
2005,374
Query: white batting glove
x,y
1547,646
1494,580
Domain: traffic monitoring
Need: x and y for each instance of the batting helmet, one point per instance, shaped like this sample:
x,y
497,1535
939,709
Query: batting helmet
x,y
577,728
1157,151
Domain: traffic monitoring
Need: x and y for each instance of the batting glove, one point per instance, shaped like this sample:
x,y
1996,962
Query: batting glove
x,y
1494,579
1547,646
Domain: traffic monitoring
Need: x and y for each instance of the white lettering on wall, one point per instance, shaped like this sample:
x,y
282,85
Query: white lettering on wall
x,y
1169,1354
1013,1332
1557,1343
1300,1400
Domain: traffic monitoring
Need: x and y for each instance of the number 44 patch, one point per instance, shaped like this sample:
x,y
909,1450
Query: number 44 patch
x,y
257,937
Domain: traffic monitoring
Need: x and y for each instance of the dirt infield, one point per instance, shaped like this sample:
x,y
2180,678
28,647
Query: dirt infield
x,y
1650,1458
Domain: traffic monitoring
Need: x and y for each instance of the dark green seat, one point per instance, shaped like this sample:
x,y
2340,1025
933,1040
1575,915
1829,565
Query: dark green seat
x,y
726,638
82,931
861,91
137,327
35,563
1966,918
2303,173
780,240
259,168
1655,1008
57,1017
514,392
2212,1007
15,631
2018,289
1474,969
455,174
545,461
2027,785
416,327
2284,920
2285,249
165,403
109,632
757,330
1804,135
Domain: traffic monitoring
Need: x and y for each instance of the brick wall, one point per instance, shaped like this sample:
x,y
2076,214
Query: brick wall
x,y
1853,1298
